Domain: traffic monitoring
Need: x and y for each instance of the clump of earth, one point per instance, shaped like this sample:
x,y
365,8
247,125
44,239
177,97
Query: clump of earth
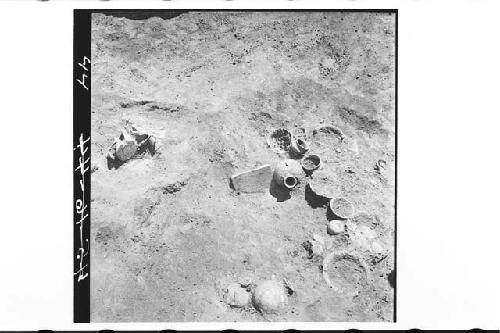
x,y
169,235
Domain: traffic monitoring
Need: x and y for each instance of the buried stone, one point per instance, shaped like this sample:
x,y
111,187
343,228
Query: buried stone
x,y
236,296
269,296
335,227
256,180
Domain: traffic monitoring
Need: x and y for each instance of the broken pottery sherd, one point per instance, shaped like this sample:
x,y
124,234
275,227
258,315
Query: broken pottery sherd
x,y
256,180
269,296
138,133
299,133
287,173
380,166
341,207
317,248
125,146
290,289
298,147
152,144
314,248
318,238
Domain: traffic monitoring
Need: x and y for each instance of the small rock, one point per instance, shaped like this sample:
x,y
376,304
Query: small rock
x,y
378,254
245,282
288,286
256,180
152,145
319,239
380,166
269,296
329,244
236,296
335,227
314,248
354,147
317,248
362,236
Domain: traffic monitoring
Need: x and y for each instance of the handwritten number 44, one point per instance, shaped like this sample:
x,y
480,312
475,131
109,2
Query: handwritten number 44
x,y
83,65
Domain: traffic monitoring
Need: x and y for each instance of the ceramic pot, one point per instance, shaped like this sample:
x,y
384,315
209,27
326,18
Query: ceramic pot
x,y
287,173
311,163
298,146
341,207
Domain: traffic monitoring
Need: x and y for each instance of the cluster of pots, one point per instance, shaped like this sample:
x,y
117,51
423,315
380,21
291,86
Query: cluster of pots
x,y
287,172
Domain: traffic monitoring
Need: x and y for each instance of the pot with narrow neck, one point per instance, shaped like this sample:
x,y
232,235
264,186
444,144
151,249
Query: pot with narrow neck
x,y
287,173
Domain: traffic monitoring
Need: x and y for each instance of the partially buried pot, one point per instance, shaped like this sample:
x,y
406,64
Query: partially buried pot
x,y
323,183
342,208
311,163
287,172
279,140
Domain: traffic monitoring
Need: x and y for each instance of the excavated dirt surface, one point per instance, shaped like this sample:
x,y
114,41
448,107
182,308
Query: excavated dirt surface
x,y
168,232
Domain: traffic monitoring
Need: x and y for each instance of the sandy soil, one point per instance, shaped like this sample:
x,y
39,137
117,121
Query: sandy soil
x,y
169,234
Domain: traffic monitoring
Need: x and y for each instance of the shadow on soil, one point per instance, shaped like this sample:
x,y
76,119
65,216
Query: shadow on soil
x,y
314,200
281,194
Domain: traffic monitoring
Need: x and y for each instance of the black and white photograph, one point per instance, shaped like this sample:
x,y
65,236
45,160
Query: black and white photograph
x,y
243,166
239,165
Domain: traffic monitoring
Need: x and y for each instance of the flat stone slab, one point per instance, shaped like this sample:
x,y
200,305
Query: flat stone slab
x,y
256,180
